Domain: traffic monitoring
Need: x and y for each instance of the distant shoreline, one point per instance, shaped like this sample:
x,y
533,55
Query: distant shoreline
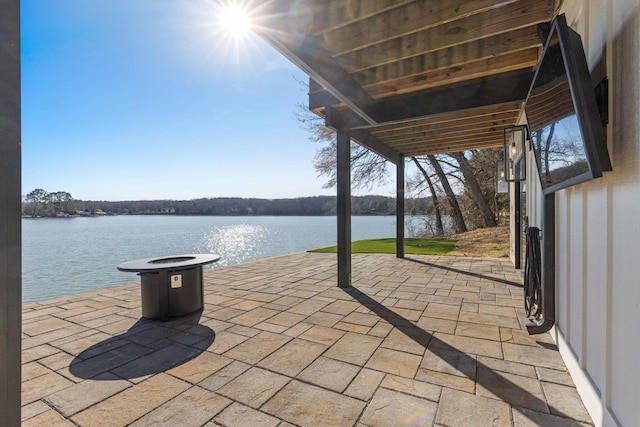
x,y
199,214
229,206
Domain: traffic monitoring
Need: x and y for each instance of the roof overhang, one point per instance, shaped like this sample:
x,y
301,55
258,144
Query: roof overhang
x,y
409,78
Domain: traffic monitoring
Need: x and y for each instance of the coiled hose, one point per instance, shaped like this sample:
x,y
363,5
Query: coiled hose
x,y
532,274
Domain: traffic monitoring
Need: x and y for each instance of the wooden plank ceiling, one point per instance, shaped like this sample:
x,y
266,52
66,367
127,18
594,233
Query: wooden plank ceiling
x,y
408,78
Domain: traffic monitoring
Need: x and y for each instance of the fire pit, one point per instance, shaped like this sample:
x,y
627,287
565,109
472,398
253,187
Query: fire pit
x,y
170,286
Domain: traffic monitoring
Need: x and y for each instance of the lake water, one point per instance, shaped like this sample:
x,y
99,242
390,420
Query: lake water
x,y
68,256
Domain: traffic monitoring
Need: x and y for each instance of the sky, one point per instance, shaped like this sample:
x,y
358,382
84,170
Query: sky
x,y
151,99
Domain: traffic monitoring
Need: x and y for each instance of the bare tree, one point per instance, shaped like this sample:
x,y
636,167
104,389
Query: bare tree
x,y
367,168
60,200
36,197
434,197
459,225
488,218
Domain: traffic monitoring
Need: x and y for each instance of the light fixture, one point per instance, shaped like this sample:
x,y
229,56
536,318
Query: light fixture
x,y
502,186
514,153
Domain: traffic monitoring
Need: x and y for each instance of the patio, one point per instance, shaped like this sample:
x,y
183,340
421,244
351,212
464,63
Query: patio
x,y
417,341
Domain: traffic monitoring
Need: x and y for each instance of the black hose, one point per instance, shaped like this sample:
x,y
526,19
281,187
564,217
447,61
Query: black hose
x,y
532,276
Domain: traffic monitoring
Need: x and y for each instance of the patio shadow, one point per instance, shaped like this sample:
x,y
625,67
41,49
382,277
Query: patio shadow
x,y
148,347
496,383
468,273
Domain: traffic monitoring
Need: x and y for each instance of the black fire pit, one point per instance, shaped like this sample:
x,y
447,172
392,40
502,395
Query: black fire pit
x,y
170,286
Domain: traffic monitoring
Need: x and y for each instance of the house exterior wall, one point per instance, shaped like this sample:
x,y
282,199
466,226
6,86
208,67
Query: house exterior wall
x,y
598,227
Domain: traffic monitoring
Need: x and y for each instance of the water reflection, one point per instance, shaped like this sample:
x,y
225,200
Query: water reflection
x,y
69,256
238,242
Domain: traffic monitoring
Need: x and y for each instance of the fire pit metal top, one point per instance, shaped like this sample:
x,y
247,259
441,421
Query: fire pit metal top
x,y
168,263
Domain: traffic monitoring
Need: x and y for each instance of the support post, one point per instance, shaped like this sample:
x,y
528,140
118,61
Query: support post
x,y
400,208
343,207
10,214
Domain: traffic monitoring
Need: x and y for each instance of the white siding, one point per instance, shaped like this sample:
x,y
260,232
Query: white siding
x,y
598,228
595,296
624,394
563,248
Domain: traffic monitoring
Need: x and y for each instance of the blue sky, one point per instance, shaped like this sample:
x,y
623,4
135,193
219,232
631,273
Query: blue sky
x,y
145,99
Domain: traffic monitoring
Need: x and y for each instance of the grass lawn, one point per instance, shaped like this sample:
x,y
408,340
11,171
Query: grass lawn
x,y
412,246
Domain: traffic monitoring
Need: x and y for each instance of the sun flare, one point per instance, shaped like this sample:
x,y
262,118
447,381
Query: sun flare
x,y
233,27
235,22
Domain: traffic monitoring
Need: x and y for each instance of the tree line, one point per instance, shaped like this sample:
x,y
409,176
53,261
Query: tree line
x,y
39,203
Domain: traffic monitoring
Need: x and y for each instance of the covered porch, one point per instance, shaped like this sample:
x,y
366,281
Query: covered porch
x,y
418,341
409,78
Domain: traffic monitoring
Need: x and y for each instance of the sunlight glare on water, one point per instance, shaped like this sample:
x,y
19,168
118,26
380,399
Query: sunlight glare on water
x,y
238,242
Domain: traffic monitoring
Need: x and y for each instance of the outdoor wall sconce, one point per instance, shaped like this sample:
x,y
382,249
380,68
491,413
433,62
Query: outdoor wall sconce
x,y
514,149
502,186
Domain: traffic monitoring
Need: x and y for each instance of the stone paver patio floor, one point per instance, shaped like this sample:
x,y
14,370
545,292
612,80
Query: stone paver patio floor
x,y
419,341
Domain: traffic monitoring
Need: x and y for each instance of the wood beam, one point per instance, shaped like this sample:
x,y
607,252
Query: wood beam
x,y
492,120
341,13
487,112
446,137
342,118
10,218
470,139
369,141
322,98
521,14
485,67
463,129
478,93
490,94
463,146
402,20
512,41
